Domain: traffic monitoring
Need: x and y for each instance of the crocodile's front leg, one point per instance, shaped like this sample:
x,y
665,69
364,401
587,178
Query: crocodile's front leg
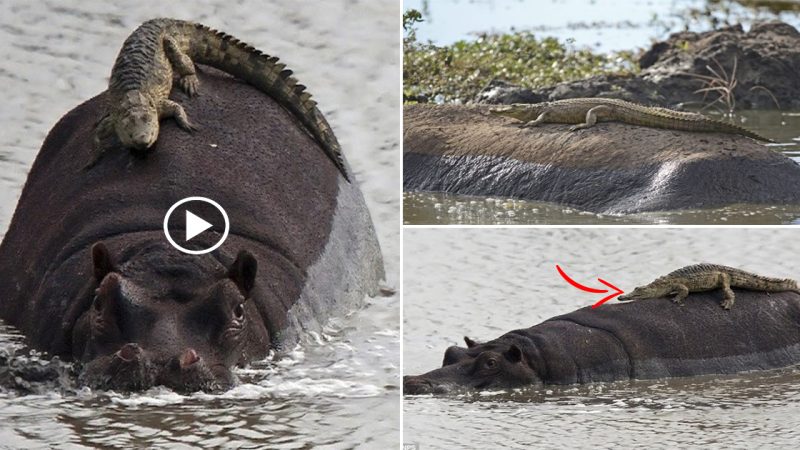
x,y
535,122
183,66
103,139
103,131
681,292
168,108
725,285
591,117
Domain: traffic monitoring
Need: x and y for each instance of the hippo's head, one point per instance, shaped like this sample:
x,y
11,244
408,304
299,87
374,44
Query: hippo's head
x,y
137,125
165,318
493,365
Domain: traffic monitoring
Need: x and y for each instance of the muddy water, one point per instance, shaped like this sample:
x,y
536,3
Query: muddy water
x,y
340,388
485,282
439,208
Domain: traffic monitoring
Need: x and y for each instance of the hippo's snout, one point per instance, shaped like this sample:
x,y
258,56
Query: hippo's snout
x,y
414,385
189,372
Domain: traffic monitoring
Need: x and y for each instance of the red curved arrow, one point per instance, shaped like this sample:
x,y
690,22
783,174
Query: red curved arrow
x,y
617,291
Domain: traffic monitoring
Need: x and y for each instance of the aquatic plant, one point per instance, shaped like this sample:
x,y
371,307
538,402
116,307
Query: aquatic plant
x,y
459,71
724,84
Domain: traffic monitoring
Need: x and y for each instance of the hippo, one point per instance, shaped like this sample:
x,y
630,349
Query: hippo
x,y
611,168
87,274
648,339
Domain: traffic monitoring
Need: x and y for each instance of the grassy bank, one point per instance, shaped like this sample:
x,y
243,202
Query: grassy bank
x,y
459,71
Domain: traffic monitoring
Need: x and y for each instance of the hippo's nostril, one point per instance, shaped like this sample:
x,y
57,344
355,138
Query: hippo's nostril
x,y
188,357
129,351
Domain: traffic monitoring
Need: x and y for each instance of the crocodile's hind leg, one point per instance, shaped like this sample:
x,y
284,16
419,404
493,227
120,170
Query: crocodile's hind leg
x,y
681,292
725,285
535,122
183,65
168,108
591,117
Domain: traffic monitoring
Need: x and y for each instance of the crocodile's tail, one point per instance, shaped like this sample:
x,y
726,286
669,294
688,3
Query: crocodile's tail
x,y
222,51
740,130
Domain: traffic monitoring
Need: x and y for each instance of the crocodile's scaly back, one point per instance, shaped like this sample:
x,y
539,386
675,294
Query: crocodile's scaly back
x,y
574,111
142,77
140,59
739,277
706,277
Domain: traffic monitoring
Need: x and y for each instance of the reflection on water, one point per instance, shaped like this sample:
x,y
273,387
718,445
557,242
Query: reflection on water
x,y
484,282
763,409
340,390
439,208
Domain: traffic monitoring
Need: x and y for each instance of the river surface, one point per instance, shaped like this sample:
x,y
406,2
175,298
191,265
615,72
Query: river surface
x,y
603,25
484,282
340,388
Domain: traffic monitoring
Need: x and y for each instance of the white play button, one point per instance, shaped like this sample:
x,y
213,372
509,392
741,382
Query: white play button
x,y
195,225
207,223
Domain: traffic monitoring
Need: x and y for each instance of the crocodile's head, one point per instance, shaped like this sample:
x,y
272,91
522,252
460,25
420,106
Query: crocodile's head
x,y
519,111
643,292
137,121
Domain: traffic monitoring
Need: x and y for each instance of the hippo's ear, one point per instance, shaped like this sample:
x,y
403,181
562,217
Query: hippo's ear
x,y
470,343
101,259
243,271
514,354
105,306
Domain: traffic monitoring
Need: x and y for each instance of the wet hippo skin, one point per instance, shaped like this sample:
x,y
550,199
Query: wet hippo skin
x,y
86,273
645,339
609,168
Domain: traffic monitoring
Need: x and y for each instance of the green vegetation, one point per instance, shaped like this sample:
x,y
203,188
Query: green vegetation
x,y
457,72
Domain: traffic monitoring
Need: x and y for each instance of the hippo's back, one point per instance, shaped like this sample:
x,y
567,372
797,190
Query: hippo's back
x,y
656,338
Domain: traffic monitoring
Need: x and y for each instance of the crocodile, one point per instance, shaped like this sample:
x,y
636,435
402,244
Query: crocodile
x,y
142,78
708,277
586,112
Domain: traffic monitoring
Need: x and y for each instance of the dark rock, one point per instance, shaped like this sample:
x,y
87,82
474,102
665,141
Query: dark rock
x,y
767,61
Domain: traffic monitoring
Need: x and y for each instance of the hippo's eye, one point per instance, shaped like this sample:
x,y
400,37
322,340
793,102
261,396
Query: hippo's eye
x,y
238,311
491,363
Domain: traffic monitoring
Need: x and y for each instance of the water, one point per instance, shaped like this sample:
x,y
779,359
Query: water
x,y
440,208
603,25
485,282
339,389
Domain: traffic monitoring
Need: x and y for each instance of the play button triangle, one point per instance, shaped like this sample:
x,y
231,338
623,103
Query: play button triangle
x,y
195,225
